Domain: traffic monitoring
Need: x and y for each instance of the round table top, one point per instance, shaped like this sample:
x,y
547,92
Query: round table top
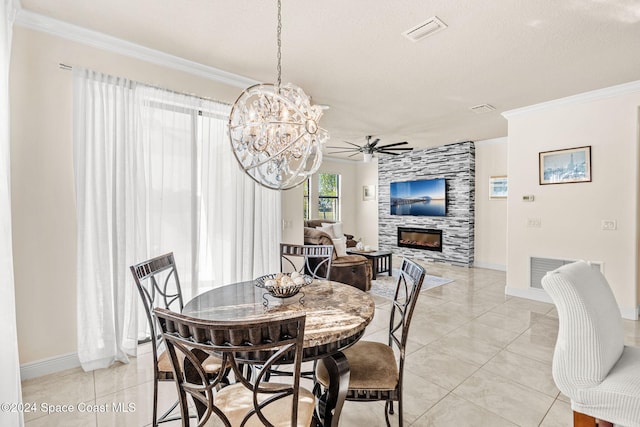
x,y
335,312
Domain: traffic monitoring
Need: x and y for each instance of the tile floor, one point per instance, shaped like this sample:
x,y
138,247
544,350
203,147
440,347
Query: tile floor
x,y
475,358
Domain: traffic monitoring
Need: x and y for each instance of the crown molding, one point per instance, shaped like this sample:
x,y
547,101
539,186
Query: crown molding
x,y
594,95
45,24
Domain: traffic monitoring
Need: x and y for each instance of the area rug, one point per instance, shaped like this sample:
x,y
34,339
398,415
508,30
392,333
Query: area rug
x,y
385,286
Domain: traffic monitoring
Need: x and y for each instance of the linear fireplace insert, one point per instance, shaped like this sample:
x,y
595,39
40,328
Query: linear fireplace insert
x,y
420,238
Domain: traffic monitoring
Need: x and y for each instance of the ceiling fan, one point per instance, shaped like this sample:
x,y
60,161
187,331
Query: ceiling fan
x,y
372,147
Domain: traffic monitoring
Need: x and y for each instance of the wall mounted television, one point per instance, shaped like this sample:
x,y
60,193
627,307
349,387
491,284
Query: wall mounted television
x,y
426,197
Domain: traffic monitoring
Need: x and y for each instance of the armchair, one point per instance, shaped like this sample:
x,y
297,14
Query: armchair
x,y
354,270
313,223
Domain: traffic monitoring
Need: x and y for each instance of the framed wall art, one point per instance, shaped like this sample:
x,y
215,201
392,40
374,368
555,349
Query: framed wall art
x,y
565,166
498,186
368,192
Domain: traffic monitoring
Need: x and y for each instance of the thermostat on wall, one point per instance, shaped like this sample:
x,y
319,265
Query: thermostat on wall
x,y
528,198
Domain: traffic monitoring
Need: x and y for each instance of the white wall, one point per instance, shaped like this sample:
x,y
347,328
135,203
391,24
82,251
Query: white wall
x,y
571,214
491,215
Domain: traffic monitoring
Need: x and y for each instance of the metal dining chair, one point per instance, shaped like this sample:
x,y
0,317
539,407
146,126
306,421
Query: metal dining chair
x,y
375,374
250,401
159,286
314,260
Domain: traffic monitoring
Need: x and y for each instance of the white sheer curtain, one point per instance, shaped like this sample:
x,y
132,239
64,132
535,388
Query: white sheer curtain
x,y
154,174
105,129
10,391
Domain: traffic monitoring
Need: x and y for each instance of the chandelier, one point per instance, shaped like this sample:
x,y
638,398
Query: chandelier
x,y
274,131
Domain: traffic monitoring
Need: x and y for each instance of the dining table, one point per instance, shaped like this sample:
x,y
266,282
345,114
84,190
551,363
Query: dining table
x,y
336,317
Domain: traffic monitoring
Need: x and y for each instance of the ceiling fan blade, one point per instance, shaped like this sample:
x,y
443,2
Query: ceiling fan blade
x,y
375,142
355,145
342,148
344,151
394,144
354,154
395,148
389,152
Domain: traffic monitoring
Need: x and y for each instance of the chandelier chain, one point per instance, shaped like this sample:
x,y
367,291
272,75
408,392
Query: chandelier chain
x,y
279,43
274,130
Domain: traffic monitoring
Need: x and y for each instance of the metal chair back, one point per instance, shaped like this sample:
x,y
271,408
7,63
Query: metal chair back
x,y
158,284
261,342
314,260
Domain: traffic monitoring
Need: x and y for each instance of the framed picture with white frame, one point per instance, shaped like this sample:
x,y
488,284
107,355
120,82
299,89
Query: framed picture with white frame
x,y
498,187
368,192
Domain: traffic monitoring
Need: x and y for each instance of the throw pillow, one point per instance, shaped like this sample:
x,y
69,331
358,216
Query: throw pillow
x,y
337,229
328,230
340,246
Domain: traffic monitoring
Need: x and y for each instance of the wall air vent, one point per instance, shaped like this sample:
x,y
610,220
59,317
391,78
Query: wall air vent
x,y
541,266
425,29
482,108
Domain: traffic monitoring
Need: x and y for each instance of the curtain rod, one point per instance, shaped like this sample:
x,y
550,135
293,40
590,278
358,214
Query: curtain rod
x,y
69,68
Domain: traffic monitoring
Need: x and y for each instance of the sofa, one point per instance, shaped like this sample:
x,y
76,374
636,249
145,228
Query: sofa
x,y
354,270
314,223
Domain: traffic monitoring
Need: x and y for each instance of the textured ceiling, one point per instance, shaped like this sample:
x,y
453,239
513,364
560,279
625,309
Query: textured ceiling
x,y
351,55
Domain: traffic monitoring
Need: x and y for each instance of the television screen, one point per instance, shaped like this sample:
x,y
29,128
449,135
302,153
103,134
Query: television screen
x,y
425,197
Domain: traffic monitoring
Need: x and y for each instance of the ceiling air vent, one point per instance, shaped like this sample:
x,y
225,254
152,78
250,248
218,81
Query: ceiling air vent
x,y
482,108
424,29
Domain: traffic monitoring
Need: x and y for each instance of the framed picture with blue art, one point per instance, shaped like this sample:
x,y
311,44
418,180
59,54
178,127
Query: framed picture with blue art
x,y
498,186
565,166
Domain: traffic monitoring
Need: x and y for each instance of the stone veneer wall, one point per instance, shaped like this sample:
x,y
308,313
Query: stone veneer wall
x,y
455,163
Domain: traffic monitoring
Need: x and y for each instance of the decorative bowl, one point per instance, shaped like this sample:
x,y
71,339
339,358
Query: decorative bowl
x,y
281,291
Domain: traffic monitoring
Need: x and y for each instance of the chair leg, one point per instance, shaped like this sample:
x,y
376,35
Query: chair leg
x,y
155,403
583,420
387,410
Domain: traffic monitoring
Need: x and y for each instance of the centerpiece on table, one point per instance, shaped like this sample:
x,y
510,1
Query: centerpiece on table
x,y
283,285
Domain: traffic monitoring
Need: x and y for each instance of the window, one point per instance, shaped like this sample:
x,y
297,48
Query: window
x,y
306,205
329,196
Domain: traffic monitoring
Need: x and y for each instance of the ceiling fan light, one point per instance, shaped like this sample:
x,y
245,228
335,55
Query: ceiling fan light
x,y
367,157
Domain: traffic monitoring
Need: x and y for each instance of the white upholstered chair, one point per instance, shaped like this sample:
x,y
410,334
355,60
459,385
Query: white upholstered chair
x,y
591,364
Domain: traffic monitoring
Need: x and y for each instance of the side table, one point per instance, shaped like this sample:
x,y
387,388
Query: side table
x,y
380,260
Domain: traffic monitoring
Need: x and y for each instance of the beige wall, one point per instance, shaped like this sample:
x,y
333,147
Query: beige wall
x,y
571,214
292,216
367,226
43,204
491,215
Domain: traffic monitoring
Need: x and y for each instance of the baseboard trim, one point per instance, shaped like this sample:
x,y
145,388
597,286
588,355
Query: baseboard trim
x,y
629,313
528,293
490,266
49,366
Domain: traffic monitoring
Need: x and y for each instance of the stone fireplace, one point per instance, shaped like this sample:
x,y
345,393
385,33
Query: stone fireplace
x,y
456,164
420,238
